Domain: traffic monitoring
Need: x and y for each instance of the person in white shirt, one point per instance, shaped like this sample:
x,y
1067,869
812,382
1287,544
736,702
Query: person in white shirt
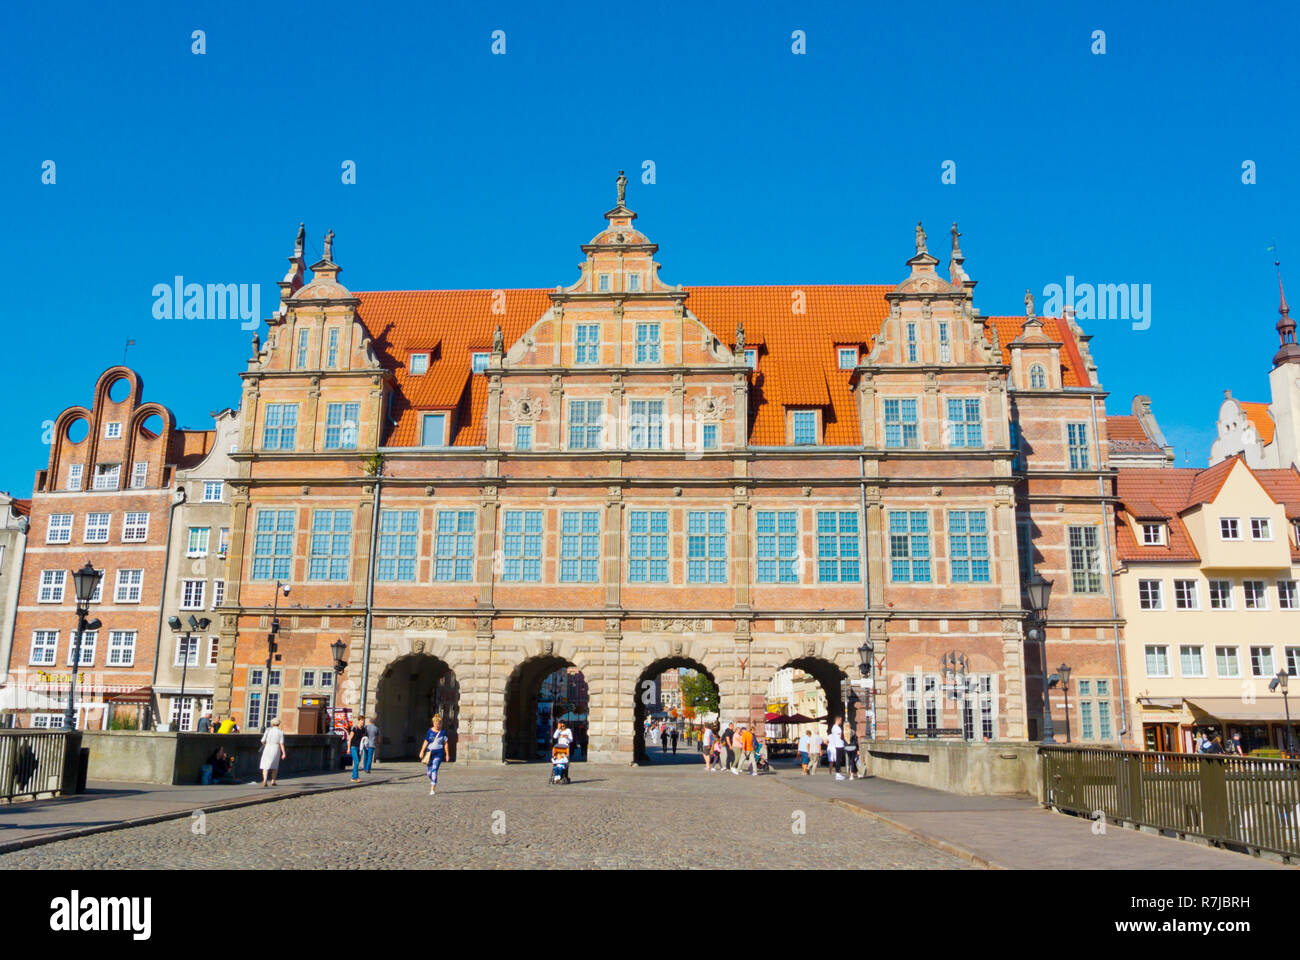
x,y
805,745
707,743
814,751
562,736
835,748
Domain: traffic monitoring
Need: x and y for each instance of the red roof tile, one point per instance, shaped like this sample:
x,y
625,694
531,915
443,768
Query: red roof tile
x,y
1258,415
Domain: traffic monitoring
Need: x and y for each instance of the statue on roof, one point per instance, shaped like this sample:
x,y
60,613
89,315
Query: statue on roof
x,y
257,345
622,188
740,338
920,238
329,246
300,241
498,340
956,248
1029,303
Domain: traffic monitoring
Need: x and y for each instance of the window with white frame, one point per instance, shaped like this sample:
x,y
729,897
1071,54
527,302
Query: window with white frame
x,y
647,343
945,343
192,594
419,364
478,362
900,423
1261,528
1085,560
214,650
585,420
308,678
1186,595
838,556
218,592
1261,661
45,647
327,678
751,358
1191,660
1149,595
805,427
521,546
97,527
911,343
1226,662
187,648
587,343
130,584
706,546
1229,528
256,677
398,537
223,542
965,428
106,476
48,721
647,546
51,589
579,546
213,491
1077,442
113,429
645,423
1094,703
74,476
135,528
121,648
909,546
99,589
341,425
182,713
911,706
778,546
1255,593
254,711
1037,377
454,546
1220,594
198,542
1153,534
331,545
1286,595
1292,661
140,475
1157,660
304,339
848,357
59,528
332,349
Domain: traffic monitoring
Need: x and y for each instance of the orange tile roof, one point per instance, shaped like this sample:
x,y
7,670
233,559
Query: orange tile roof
x,y
1210,481
1257,414
1124,428
797,367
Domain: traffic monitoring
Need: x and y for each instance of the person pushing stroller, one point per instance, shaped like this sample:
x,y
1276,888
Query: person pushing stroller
x,y
563,738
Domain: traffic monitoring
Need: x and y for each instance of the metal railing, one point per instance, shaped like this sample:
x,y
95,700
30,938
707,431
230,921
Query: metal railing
x,y
34,762
1242,801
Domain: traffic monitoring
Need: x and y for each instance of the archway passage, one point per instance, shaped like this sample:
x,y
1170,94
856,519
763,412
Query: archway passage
x,y
817,690
411,691
675,694
540,693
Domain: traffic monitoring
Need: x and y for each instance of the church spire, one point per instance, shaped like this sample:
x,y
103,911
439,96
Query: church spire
x,y
1288,349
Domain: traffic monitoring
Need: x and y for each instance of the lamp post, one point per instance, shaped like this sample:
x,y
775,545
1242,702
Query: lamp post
x,y
1040,592
1281,681
271,648
188,638
864,667
337,649
84,583
1063,671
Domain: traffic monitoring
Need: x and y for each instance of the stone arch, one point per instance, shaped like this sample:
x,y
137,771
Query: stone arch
x,y
647,673
408,692
830,676
520,735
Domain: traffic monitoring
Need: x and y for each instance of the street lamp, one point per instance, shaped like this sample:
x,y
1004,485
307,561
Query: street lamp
x,y
188,638
271,648
1063,671
84,583
865,650
1281,681
1039,592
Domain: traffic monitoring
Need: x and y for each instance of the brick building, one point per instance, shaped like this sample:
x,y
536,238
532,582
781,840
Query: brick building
x,y
472,489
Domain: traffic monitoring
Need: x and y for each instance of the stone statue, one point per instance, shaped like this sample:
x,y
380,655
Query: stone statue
x,y
955,246
622,188
740,339
1029,303
498,340
257,346
329,246
301,240
920,238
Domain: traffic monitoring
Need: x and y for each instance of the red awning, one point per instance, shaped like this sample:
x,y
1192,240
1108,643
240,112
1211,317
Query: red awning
x,y
143,695
792,718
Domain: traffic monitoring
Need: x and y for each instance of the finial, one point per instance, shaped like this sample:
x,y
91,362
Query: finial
x,y
622,189
329,246
1282,308
301,240
920,238
956,248
1029,303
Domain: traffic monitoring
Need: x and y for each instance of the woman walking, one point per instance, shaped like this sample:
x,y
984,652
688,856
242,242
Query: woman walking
x,y
357,741
851,751
434,752
272,751
835,749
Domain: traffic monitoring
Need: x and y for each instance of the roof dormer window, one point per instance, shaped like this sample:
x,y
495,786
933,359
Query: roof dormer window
x,y
848,357
803,427
751,358
1153,534
419,364
478,362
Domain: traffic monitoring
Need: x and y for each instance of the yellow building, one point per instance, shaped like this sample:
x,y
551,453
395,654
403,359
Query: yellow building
x,y
1208,588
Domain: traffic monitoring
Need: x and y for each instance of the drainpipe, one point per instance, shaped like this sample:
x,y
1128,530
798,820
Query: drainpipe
x,y
1106,529
866,597
370,590
162,603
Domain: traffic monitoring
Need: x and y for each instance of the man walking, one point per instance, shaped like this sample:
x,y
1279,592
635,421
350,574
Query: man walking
x,y
814,751
372,742
746,752
674,736
707,743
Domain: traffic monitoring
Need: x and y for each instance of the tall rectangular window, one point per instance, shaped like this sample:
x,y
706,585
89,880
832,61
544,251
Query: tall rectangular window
x,y
280,426
59,528
304,333
1220,594
121,648
778,544
1025,549
433,430
645,424
522,546
579,546
45,647
647,343
341,426
585,424
273,545
647,546
945,344
198,542
1077,436
130,584
85,650
909,546
709,436
140,475
332,352
218,592
192,594
805,427
331,542
398,534
587,343
968,546
1191,660
1256,594
911,709
74,476
254,711
1085,560
706,546
1150,595
1286,595
911,343
1226,662
1157,660
187,651
454,559
900,423
51,588
1186,595
523,436
837,546
634,282
1261,661
135,528
965,429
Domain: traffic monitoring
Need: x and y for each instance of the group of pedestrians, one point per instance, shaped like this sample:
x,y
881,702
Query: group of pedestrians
x,y
733,749
363,738
1213,743
667,738
841,746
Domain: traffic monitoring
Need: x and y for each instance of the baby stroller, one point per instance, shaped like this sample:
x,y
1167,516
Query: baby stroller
x,y
559,764
760,758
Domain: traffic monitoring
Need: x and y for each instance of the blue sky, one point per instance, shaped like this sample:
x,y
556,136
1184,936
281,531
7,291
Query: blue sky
x,y
475,170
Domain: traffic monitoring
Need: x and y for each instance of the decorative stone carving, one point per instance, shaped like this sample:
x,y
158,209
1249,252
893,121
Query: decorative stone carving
x,y
710,408
810,649
813,625
550,624
230,621
420,623
526,408
676,625
417,647
548,647
677,648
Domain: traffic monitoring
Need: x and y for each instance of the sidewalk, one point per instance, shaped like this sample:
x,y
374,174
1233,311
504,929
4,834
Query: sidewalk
x,y
1011,833
111,806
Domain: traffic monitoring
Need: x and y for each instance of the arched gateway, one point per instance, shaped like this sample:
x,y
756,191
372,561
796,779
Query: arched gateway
x,y
411,691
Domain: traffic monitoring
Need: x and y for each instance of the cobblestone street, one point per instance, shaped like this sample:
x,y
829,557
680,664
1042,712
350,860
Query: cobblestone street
x,y
493,817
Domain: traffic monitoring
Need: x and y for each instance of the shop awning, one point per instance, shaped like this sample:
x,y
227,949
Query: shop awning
x,y
142,695
1232,708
